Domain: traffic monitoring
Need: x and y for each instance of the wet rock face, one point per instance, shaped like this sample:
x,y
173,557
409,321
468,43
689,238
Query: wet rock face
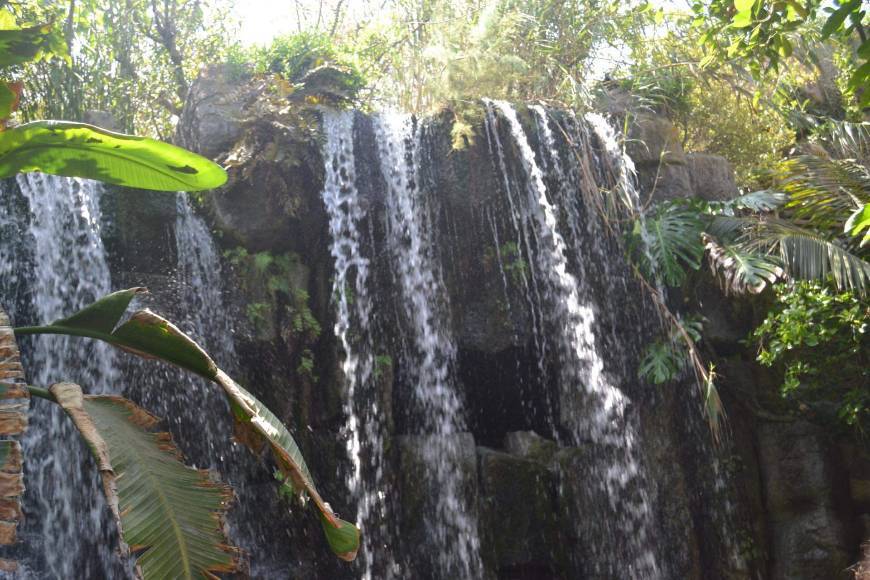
x,y
525,487
272,201
805,502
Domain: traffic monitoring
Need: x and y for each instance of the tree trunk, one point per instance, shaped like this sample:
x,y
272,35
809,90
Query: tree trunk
x,y
13,421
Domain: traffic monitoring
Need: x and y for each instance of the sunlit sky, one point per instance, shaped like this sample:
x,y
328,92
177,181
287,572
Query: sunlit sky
x,y
262,20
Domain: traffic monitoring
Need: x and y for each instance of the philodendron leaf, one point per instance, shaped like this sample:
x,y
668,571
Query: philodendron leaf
x,y
147,334
255,422
170,512
80,150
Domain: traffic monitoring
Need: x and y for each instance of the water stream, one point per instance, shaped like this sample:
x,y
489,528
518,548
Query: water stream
x,y
353,306
65,532
592,405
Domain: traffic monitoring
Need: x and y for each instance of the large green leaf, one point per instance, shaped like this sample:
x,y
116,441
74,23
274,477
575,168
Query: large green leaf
x,y
80,150
255,423
147,334
170,513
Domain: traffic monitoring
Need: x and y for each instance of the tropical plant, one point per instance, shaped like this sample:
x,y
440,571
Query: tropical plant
x,y
136,58
762,35
171,512
819,338
150,336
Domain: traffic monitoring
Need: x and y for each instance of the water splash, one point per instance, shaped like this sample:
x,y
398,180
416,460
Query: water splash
x,y
430,351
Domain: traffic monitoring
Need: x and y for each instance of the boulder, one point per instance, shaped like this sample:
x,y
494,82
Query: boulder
x,y
419,489
664,181
214,110
519,523
804,493
529,445
103,119
654,139
711,176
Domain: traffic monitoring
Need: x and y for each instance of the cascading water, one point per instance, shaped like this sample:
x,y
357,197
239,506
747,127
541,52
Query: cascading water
x,y
429,351
65,533
364,428
592,406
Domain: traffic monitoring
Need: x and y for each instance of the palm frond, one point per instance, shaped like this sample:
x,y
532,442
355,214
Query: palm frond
x,y
739,271
764,200
824,192
808,255
844,139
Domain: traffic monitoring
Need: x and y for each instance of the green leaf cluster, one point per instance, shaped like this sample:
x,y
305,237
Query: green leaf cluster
x,y
820,339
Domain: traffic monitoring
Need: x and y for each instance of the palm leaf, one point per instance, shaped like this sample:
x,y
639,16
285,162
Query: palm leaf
x,y
844,139
808,255
824,192
148,335
169,511
80,150
739,271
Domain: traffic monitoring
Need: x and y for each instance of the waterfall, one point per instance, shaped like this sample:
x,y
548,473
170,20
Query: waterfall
x,y
65,532
593,407
364,430
429,351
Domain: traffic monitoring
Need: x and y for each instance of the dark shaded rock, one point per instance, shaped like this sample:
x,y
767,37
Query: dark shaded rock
x,y
530,445
810,535
858,465
520,525
712,176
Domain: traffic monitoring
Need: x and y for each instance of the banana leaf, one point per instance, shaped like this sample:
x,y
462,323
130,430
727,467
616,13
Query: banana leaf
x,y
81,150
169,513
148,335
